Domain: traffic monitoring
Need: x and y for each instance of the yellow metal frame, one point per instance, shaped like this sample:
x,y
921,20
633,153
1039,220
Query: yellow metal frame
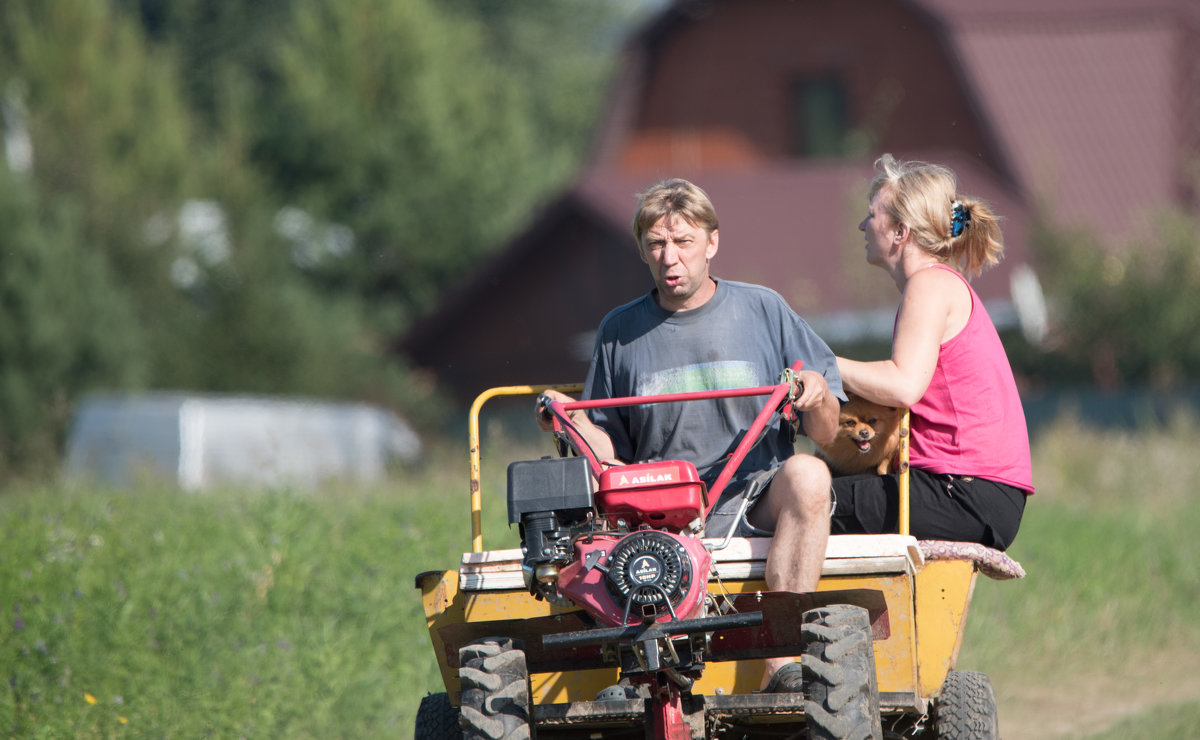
x,y
473,434
903,452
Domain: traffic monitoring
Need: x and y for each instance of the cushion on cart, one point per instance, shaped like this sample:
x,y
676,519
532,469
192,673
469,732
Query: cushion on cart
x,y
990,562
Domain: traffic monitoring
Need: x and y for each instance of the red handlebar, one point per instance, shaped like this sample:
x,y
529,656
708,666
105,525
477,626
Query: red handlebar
x,y
786,389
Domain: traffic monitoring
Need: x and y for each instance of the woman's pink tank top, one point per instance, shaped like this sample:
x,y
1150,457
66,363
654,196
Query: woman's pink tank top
x,y
970,420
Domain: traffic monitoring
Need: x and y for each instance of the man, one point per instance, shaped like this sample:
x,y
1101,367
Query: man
x,y
694,332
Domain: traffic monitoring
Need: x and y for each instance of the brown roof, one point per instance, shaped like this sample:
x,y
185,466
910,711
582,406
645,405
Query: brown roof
x,y
1083,96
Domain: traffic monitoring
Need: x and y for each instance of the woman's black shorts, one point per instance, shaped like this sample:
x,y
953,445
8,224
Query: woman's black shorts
x,y
941,507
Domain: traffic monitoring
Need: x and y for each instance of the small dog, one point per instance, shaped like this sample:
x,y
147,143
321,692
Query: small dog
x,y
867,439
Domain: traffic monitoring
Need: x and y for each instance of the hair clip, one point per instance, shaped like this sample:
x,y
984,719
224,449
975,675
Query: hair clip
x,y
959,217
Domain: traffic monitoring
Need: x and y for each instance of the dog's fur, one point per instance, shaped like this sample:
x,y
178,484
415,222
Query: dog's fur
x,y
867,439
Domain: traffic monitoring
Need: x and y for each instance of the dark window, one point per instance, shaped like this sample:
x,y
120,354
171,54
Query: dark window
x,y
819,117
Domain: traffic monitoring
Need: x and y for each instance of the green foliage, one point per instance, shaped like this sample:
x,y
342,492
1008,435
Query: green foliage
x,y
67,325
216,43
1125,315
406,124
348,161
550,47
108,127
110,145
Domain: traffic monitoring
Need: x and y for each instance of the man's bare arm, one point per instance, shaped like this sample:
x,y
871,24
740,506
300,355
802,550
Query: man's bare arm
x,y
595,437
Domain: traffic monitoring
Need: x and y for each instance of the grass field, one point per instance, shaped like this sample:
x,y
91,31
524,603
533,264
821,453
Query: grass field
x,y
156,613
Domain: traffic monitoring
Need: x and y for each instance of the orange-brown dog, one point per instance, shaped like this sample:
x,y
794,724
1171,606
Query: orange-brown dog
x,y
867,438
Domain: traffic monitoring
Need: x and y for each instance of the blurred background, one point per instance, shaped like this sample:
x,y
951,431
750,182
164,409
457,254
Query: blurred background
x,y
402,202
391,205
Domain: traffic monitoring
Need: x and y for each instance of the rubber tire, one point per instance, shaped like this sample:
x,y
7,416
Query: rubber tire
x,y
437,719
495,690
966,708
841,690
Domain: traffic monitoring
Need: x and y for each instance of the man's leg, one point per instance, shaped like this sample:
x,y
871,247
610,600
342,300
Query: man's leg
x,y
797,503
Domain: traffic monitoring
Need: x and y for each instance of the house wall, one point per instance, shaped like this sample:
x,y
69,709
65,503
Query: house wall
x,y
718,94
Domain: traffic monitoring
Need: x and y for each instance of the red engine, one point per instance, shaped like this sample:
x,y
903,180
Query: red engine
x,y
620,580
666,495
627,552
621,576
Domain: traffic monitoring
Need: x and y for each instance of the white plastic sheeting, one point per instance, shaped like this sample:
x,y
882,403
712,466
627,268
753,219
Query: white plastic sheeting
x,y
202,441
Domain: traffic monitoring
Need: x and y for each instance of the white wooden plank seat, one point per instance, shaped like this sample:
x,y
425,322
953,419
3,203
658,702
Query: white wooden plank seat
x,y
851,554
745,558
866,554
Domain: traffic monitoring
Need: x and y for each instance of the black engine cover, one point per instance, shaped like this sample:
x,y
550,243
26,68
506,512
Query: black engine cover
x,y
650,567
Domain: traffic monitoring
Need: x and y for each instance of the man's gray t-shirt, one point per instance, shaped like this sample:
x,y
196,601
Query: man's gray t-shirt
x,y
744,336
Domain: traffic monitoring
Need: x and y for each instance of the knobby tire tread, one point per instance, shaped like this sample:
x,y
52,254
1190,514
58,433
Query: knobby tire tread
x,y
495,691
841,694
437,719
966,708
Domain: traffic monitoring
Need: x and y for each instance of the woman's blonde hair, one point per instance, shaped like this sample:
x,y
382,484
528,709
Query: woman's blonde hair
x,y
959,230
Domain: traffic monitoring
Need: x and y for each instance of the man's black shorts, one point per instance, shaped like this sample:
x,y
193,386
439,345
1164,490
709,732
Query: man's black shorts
x,y
941,507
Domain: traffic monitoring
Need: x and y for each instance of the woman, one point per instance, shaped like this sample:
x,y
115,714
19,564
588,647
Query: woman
x,y
969,446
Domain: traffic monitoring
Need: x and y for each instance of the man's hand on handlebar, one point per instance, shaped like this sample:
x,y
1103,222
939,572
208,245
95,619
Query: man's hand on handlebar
x,y
542,413
811,390
818,407
593,436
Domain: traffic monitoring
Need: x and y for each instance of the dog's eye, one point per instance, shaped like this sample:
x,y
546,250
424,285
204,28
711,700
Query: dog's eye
x,y
872,421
